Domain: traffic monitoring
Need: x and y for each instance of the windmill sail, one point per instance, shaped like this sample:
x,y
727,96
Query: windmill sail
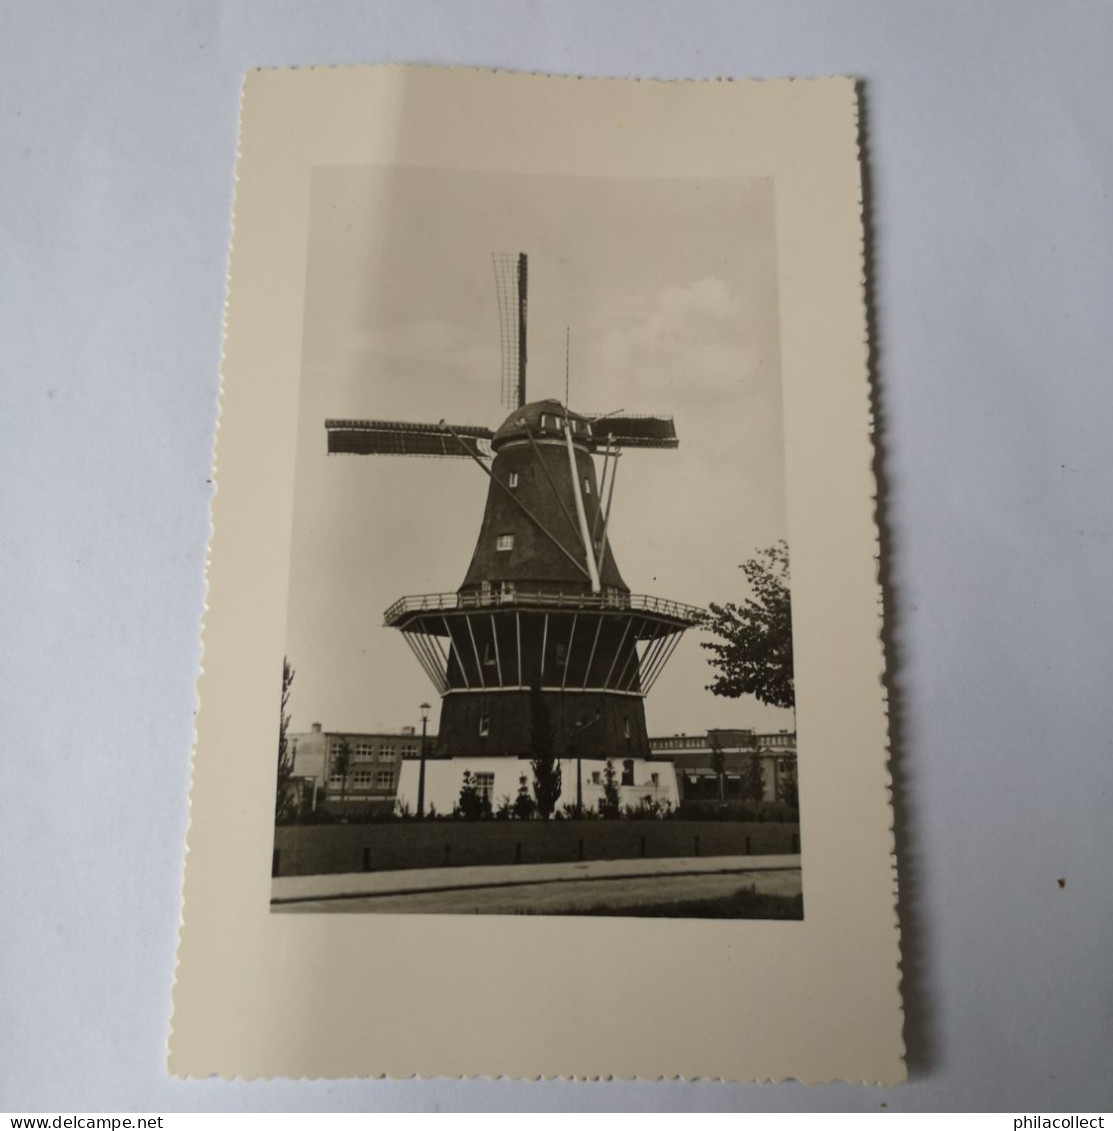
x,y
401,438
512,288
634,431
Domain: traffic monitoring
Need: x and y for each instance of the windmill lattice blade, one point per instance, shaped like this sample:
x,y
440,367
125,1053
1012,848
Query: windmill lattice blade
x,y
510,287
401,438
636,431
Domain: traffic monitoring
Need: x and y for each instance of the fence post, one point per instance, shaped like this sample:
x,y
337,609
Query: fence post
x,y
580,848
747,846
642,839
447,854
366,858
275,857
518,853
697,846
795,842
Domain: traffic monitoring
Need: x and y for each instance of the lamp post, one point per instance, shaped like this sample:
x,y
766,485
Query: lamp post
x,y
421,770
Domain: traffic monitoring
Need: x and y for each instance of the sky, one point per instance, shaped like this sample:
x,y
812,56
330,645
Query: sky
x,y
669,290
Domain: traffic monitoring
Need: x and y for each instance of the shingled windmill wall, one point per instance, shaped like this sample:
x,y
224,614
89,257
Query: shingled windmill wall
x,y
569,653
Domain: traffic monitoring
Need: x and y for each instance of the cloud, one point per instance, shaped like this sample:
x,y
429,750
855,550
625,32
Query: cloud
x,y
690,338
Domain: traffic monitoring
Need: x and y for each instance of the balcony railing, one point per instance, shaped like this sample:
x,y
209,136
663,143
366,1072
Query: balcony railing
x,y
608,599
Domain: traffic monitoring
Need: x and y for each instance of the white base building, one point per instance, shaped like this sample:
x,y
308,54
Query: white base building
x,y
638,781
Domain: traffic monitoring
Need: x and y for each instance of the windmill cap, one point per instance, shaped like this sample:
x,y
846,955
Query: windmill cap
x,y
541,418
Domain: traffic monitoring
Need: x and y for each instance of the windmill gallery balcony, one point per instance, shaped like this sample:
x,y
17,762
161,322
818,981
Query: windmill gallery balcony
x,y
513,640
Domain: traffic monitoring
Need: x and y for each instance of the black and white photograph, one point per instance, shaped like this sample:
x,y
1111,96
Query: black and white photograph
x,y
539,655
543,617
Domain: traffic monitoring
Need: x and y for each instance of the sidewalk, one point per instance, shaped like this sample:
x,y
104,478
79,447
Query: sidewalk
x,y
364,885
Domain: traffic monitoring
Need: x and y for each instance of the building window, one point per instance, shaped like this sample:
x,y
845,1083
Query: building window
x,y
484,725
384,779
360,778
505,542
596,778
409,750
655,779
628,771
485,786
363,750
513,480
386,753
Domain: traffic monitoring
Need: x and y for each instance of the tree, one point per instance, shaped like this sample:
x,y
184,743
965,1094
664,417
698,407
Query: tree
x,y
754,656
611,805
787,786
283,801
544,764
719,765
341,763
753,778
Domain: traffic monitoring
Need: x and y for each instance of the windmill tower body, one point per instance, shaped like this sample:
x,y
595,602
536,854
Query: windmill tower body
x,y
543,620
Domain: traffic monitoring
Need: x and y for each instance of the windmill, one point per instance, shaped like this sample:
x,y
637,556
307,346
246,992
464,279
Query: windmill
x,y
543,610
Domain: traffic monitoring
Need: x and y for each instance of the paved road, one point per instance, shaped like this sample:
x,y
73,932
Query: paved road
x,y
538,889
287,888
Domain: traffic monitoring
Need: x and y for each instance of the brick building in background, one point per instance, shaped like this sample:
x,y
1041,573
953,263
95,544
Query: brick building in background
x,y
374,761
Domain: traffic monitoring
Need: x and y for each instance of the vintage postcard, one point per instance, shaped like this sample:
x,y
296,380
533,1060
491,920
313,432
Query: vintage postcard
x,y
542,687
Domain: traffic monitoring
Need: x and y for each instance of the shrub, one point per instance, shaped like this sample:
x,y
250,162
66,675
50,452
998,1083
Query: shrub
x,y
610,805
648,809
524,805
472,806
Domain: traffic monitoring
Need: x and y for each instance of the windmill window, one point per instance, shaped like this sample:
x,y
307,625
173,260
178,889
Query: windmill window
x,y
488,655
505,542
561,653
587,485
513,480
484,725
547,422
626,726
